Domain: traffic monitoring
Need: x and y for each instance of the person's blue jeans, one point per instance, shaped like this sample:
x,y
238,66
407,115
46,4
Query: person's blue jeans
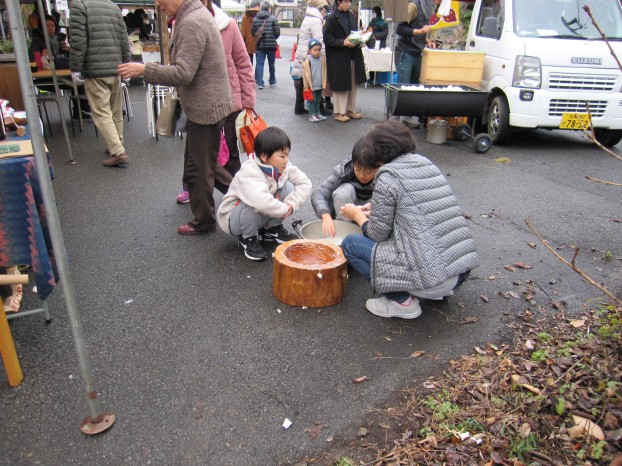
x,y
358,251
261,58
408,68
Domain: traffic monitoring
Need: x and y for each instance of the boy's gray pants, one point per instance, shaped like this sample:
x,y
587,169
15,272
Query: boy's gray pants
x,y
345,194
246,221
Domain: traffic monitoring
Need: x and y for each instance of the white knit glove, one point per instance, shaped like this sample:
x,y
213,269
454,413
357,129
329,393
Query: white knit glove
x,y
77,78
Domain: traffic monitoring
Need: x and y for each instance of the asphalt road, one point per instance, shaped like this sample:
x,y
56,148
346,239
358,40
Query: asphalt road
x,y
201,364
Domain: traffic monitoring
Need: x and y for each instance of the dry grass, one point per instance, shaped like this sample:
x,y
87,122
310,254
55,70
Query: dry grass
x,y
552,397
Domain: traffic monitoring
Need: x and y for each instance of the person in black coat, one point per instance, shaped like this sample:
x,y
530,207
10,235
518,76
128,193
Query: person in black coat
x,y
344,61
267,44
379,27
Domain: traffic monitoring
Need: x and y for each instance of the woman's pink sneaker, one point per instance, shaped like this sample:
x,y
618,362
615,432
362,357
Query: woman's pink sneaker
x,y
183,197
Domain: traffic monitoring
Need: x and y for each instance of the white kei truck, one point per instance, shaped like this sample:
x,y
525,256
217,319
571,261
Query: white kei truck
x,y
547,66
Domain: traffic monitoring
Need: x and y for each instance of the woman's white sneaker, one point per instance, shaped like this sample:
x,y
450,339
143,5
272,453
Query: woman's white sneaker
x,y
384,307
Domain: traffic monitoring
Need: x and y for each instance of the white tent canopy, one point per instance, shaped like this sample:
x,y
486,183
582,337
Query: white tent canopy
x,y
231,6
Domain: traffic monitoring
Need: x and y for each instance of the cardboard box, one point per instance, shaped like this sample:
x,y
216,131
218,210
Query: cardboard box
x,y
445,67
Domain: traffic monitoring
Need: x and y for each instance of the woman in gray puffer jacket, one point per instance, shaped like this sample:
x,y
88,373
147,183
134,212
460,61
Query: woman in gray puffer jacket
x,y
416,241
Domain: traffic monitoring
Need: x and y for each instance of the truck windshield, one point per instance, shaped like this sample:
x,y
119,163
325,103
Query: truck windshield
x,y
567,19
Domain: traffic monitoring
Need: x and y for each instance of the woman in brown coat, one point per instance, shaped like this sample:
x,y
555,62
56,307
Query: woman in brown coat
x,y
245,28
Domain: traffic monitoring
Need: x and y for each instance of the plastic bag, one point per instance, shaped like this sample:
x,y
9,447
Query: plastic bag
x,y
359,37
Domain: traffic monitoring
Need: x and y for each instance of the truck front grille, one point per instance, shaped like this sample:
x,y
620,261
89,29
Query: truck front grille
x,y
559,106
586,82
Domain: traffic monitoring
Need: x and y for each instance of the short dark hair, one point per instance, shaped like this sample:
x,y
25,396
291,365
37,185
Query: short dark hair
x,y
386,141
377,10
363,154
270,140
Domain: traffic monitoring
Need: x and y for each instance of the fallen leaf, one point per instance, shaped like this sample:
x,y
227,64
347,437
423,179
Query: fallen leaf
x,y
485,298
508,294
428,385
524,430
522,265
362,432
384,426
592,429
577,323
479,350
416,354
431,439
519,379
530,344
510,268
576,432
492,277
617,220
316,429
360,379
531,388
469,320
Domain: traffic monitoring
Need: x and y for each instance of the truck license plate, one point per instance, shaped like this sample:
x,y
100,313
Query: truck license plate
x,y
575,121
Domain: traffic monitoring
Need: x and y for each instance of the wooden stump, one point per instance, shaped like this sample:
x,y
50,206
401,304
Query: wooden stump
x,y
309,273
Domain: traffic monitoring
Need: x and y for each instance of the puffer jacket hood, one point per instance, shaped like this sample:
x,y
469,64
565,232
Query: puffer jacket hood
x,y
221,18
252,12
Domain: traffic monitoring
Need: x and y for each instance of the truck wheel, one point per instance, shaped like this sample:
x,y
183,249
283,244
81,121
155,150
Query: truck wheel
x,y
608,137
462,132
482,143
499,120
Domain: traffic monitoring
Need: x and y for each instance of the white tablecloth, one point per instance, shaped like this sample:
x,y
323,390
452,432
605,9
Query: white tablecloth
x,y
378,60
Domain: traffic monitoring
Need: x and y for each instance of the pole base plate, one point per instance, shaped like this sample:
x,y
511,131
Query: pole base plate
x,y
100,424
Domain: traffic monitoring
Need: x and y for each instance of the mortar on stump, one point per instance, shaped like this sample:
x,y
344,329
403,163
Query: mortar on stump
x,y
309,273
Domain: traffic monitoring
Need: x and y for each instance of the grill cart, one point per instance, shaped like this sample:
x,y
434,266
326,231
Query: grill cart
x,y
444,101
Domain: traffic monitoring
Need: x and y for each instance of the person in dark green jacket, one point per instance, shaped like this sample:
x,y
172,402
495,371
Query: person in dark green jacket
x,y
98,43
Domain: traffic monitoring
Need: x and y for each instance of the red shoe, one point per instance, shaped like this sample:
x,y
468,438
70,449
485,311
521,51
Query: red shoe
x,y
189,230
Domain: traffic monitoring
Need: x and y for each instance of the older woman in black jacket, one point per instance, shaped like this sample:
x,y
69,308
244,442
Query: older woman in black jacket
x,y
267,43
344,61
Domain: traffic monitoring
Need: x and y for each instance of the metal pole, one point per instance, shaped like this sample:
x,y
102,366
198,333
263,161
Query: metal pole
x,y
2,25
98,421
44,29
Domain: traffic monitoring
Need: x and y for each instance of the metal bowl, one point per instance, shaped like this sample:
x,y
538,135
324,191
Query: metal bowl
x,y
313,231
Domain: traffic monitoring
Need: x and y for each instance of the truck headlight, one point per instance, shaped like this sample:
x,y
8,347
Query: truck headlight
x,y
527,72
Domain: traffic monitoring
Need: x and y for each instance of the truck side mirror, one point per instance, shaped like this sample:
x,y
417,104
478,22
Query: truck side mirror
x,y
490,27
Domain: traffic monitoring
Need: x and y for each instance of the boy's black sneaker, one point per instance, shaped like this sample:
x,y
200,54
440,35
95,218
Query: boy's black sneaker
x,y
252,248
277,234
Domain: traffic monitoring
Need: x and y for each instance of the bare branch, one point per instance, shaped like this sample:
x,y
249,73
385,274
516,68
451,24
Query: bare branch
x,y
574,267
602,34
611,183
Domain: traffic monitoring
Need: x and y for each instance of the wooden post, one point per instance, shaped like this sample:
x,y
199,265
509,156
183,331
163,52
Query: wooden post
x,y
7,346
309,273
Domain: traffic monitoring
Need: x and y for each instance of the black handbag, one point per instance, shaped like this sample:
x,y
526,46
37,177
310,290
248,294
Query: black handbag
x,y
61,62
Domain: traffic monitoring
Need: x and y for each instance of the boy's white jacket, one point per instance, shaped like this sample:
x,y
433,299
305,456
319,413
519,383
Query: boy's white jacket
x,y
253,187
